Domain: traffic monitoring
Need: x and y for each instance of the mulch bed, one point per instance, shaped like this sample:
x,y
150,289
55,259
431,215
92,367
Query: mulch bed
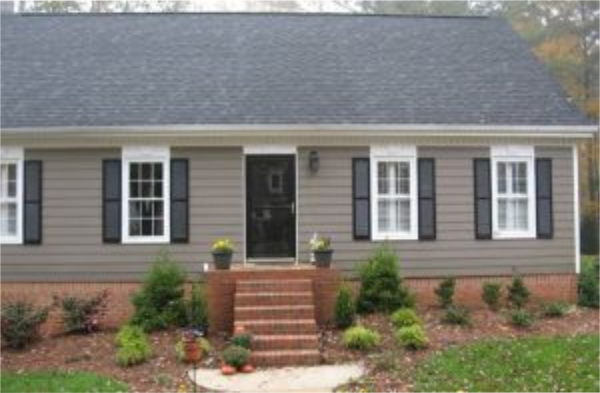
x,y
388,368
391,368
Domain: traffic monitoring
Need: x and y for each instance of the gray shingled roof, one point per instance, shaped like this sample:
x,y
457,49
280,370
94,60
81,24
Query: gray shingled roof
x,y
155,69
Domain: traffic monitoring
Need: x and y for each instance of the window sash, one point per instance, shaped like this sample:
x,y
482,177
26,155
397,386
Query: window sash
x,y
11,202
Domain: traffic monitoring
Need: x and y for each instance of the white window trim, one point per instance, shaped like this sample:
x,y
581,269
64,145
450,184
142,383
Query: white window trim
x,y
15,155
510,153
146,154
401,153
269,149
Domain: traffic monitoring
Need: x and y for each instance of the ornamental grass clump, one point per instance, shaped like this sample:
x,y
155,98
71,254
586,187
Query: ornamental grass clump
x,y
197,309
133,346
361,338
345,307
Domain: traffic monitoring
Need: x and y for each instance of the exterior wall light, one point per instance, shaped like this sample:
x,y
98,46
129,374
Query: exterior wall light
x,y
313,162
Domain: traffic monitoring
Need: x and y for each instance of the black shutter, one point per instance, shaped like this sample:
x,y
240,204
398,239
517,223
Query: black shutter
x,y
32,203
543,186
483,198
111,201
426,189
179,201
361,195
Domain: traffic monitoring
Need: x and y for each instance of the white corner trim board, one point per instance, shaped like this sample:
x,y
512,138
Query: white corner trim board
x,y
269,149
576,217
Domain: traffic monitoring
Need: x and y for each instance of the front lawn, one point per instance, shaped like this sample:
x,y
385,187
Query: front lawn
x,y
529,364
51,381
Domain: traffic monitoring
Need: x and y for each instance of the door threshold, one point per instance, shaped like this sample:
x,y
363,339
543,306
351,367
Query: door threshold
x,y
267,261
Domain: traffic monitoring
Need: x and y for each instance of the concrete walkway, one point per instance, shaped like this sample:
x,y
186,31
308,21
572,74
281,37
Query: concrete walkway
x,y
289,379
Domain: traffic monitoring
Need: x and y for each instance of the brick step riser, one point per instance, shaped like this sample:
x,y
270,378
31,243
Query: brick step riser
x,y
284,360
276,300
272,329
245,315
274,344
243,287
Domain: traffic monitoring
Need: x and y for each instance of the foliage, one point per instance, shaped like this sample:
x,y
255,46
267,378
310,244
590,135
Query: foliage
x,y
405,317
457,315
555,309
539,364
588,293
445,292
361,338
21,321
321,243
82,314
236,356
197,308
491,294
589,229
520,317
59,381
381,289
345,307
224,246
518,294
243,340
133,346
203,343
412,337
160,303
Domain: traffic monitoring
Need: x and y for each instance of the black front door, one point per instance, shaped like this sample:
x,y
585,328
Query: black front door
x,y
271,206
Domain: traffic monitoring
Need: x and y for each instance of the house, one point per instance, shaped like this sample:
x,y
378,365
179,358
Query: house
x,y
126,133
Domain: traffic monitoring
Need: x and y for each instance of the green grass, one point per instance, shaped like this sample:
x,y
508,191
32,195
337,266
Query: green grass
x,y
54,381
534,364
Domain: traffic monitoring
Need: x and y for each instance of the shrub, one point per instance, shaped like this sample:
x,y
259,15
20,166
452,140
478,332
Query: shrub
x,y
243,340
457,315
589,229
518,294
520,318
160,303
405,317
197,309
555,310
236,356
133,346
361,338
82,314
381,288
20,323
491,294
588,291
445,292
412,337
203,343
345,308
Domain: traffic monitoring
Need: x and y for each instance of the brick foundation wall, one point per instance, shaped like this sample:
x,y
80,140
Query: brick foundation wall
x,y
221,287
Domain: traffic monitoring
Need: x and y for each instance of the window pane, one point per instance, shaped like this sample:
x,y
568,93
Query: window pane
x,y
146,189
158,171
8,181
8,219
158,189
158,209
158,227
134,189
135,227
135,210
382,178
521,216
146,171
384,208
520,178
403,212
502,214
134,171
501,178
513,214
403,178
147,228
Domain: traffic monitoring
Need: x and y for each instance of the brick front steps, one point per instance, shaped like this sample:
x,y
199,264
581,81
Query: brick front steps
x,y
281,317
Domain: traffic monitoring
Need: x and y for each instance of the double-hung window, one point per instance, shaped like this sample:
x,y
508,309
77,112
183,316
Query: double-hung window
x,y
146,202
394,189
11,196
513,181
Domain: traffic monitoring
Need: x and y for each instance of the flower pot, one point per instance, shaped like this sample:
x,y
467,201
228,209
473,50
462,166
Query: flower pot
x,y
323,258
193,354
222,260
247,368
228,370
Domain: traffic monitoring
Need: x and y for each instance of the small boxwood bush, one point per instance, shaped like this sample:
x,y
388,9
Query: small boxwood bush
x,y
520,317
361,338
588,287
518,294
491,294
345,307
160,303
457,315
243,340
21,321
555,309
445,292
133,346
203,343
412,337
82,314
236,356
404,317
381,288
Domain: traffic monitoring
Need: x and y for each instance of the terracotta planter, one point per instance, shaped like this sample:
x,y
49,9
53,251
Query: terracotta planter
x,y
222,260
192,351
323,258
228,370
247,368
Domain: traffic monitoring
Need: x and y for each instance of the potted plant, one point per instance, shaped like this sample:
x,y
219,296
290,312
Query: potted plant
x,y
321,249
236,357
191,348
222,251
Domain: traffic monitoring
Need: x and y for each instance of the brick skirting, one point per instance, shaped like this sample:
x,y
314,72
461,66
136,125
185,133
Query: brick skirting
x,y
221,290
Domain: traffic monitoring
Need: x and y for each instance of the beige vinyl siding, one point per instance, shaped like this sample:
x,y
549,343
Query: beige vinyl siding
x,y
325,207
73,248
